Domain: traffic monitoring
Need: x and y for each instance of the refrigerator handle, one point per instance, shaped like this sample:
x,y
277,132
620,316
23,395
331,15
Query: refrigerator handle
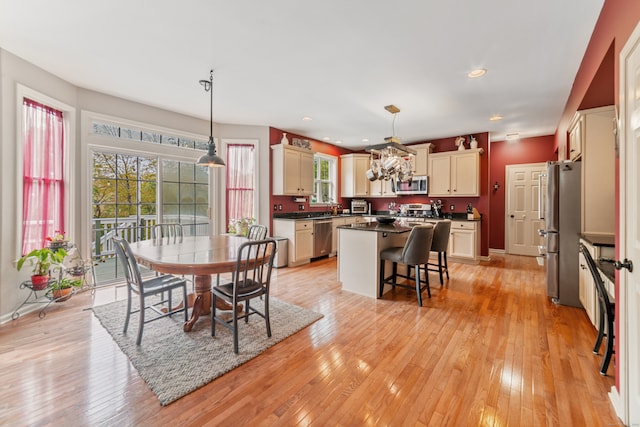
x,y
541,196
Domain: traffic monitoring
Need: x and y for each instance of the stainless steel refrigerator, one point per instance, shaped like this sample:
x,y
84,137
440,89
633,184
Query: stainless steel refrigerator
x,y
562,202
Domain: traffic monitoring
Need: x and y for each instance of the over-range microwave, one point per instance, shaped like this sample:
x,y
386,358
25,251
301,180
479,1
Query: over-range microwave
x,y
418,185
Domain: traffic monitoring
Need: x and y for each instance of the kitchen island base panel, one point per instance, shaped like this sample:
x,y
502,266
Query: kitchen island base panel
x,y
359,259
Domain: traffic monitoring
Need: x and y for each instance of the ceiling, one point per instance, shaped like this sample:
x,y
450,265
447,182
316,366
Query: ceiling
x,y
338,62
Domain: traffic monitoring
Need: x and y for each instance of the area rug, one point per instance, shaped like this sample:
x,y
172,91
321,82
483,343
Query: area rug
x,y
174,363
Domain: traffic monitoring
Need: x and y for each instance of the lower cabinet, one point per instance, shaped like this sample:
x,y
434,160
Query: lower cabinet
x,y
334,237
300,236
464,240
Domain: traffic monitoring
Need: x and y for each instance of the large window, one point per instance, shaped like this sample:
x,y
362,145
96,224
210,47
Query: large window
x,y
43,179
241,180
325,177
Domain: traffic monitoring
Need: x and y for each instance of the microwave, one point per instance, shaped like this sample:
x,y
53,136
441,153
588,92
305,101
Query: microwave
x,y
418,185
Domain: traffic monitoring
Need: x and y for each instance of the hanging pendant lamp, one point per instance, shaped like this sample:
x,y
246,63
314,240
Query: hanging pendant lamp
x,y
210,159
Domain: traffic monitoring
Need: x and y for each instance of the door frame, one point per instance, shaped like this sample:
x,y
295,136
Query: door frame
x,y
509,185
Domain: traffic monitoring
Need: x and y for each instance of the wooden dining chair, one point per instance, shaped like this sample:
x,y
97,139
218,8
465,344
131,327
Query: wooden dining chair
x,y
251,279
148,288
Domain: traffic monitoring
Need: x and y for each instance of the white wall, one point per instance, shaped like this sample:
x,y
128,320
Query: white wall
x,y
15,71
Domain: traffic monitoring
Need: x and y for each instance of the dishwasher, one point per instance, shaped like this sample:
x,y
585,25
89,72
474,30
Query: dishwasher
x,y
322,237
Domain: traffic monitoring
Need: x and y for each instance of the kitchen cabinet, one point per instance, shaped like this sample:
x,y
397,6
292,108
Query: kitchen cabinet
x,y
597,142
300,237
420,162
575,137
464,240
292,170
454,174
382,188
353,178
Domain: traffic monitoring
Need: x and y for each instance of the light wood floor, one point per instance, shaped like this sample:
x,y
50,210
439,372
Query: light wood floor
x,y
487,349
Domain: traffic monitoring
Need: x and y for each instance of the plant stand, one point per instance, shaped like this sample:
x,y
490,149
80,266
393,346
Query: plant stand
x,y
45,297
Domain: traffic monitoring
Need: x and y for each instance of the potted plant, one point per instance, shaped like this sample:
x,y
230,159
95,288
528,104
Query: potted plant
x,y
42,259
61,290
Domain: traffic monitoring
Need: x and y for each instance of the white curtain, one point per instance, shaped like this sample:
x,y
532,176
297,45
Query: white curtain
x,y
240,181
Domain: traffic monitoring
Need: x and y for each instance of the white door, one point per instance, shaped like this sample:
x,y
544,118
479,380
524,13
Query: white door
x,y
628,329
523,209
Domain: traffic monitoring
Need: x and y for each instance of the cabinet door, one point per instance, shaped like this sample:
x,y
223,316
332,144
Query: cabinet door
x,y
586,289
306,173
361,183
575,139
439,175
304,244
334,238
464,174
382,188
291,172
462,243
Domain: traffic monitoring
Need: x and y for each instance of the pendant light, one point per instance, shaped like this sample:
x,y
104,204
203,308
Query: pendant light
x,y
210,159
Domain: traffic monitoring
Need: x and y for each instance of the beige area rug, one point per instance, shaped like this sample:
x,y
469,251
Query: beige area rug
x,y
174,363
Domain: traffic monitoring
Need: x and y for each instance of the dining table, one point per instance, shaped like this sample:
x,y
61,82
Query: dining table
x,y
200,256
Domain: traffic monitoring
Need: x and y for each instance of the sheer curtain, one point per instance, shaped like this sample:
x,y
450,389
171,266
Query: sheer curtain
x,y
240,181
43,180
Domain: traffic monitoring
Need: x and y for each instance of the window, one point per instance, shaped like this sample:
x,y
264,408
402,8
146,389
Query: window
x,y
241,178
43,178
324,179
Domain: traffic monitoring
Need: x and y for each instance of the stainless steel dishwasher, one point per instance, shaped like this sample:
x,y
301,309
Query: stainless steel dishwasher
x,y
322,237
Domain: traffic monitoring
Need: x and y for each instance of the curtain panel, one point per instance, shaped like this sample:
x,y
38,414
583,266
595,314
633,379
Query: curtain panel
x,y
240,181
43,178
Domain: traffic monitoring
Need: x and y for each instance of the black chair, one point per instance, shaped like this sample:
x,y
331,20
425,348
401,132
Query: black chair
x,y
148,288
251,279
257,232
440,244
414,253
607,312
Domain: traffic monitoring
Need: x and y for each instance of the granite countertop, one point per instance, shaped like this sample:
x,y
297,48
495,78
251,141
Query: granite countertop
x,y
377,227
608,240
301,216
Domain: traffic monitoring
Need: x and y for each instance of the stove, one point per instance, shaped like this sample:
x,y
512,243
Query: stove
x,y
416,210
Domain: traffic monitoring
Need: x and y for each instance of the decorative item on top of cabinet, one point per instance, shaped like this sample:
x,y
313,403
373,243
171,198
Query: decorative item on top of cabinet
x,y
284,139
292,170
454,174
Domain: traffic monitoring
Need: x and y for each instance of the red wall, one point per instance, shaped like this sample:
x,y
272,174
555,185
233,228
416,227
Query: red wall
x,y
503,153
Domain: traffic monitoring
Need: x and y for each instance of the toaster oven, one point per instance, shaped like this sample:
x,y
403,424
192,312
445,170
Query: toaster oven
x,y
359,207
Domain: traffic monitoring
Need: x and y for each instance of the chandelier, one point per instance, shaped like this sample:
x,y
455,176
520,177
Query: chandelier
x,y
390,160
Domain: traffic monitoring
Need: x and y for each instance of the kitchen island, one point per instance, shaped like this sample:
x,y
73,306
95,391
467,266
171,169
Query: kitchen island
x,y
359,247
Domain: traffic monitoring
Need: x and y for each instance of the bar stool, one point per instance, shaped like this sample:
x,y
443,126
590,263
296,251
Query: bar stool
x,y
439,244
414,253
607,312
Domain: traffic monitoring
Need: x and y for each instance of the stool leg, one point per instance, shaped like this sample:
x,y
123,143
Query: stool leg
x,y
418,291
446,266
381,278
596,347
609,351
394,274
440,268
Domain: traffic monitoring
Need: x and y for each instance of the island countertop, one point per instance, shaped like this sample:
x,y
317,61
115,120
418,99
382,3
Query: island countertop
x,y
377,227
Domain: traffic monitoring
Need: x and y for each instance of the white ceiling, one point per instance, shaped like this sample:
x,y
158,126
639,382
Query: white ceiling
x,y
337,61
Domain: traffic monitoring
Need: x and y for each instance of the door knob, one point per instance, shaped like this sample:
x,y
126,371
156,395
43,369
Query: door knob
x,y
512,216
619,265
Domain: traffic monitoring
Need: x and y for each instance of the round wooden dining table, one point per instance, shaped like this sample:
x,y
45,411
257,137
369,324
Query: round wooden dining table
x,y
200,256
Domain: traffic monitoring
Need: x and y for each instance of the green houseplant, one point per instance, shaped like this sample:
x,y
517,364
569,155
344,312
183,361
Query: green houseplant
x,y
42,259
61,290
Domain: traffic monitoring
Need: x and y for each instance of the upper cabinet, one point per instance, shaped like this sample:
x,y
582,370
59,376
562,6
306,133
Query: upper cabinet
x,y
455,173
420,161
292,170
353,181
597,153
575,137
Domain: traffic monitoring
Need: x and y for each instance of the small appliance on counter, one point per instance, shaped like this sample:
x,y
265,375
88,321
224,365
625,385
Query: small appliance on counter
x,y
359,207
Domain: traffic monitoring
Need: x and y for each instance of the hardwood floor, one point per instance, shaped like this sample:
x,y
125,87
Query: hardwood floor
x,y
487,349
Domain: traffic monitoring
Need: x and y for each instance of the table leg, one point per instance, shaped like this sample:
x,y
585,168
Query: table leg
x,y
202,302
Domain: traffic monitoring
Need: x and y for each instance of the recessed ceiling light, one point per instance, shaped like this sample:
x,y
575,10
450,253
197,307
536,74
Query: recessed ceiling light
x,y
307,119
512,136
478,72
326,138
495,117
365,140
338,142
